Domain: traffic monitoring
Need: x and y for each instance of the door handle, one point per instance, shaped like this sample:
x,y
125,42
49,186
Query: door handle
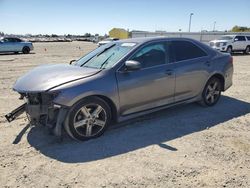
x,y
169,72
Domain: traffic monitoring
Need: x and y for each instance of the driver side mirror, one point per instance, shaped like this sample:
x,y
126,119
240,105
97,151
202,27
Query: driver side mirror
x,y
132,65
236,39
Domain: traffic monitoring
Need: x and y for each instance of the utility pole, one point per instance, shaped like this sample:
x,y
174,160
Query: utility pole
x,y
190,20
214,26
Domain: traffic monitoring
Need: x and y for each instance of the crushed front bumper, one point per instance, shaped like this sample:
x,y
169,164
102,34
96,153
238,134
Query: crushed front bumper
x,y
40,109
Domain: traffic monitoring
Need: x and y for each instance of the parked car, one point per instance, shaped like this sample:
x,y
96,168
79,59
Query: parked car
x,y
232,43
106,41
122,80
10,44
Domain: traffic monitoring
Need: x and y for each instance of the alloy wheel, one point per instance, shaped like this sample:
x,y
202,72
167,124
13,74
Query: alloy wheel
x,y
212,93
90,120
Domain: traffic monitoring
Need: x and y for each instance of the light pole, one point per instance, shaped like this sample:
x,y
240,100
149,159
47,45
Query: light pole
x,y
190,19
214,26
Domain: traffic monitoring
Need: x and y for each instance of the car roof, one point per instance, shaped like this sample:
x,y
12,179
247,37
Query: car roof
x,y
152,39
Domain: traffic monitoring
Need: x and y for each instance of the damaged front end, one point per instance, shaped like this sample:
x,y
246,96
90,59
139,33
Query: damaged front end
x,y
41,110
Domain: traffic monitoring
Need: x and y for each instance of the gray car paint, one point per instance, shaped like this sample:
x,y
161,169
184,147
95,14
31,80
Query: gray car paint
x,y
137,92
45,77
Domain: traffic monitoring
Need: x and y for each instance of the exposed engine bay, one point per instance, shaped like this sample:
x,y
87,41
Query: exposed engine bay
x,y
40,110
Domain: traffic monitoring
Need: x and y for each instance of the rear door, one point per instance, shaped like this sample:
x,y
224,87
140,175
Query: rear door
x,y
152,85
192,68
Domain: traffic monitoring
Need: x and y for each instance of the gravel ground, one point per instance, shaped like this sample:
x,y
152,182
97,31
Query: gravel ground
x,y
184,146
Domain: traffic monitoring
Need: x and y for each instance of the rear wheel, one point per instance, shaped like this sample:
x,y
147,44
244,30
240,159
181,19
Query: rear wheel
x,y
88,119
26,50
212,92
247,51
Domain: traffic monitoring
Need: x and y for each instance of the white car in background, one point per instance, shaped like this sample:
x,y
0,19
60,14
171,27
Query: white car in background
x,y
106,41
232,43
16,45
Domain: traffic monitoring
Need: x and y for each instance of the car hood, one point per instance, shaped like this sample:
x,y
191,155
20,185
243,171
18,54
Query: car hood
x,y
46,77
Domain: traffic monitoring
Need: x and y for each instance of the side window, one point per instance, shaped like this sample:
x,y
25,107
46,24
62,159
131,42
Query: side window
x,y
184,50
240,38
248,37
151,55
6,40
11,40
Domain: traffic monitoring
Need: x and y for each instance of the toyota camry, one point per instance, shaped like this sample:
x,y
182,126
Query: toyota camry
x,y
122,80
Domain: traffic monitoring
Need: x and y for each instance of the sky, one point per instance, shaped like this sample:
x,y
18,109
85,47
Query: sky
x,y
92,16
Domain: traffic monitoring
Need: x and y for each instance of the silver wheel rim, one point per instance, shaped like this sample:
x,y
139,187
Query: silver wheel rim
x,y
212,92
90,120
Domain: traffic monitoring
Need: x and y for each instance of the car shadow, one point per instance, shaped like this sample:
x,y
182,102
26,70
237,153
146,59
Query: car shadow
x,y
12,53
157,128
239,54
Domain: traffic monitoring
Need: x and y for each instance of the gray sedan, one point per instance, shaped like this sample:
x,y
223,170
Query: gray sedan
x,y
120,81
10,44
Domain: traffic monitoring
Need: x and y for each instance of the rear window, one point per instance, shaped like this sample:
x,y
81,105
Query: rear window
x,y
184,50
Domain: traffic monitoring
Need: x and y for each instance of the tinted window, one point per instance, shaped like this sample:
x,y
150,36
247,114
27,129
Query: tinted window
x,y
10,40
18,40
183,50
6,40
248,37
151,55
240,38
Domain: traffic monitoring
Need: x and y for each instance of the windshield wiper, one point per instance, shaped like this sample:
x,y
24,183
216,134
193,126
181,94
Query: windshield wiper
x,y
106,60
104,50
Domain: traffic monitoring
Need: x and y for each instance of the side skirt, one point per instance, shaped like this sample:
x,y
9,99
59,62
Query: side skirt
x,y
134,115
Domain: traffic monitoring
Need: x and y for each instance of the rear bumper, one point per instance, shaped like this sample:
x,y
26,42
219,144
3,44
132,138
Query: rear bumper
x,y
229,78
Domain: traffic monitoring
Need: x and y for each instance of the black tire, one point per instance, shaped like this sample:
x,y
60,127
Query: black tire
x,y
26,50
247,50
15,52
211,97
229,49
83,111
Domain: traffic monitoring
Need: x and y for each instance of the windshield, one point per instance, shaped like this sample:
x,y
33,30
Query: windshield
x,y
105,56
226,38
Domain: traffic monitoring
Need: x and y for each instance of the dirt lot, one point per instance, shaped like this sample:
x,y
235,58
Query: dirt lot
x,y
185,146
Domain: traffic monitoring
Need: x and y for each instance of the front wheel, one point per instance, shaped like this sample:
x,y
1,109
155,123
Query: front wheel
x,y
212,92
247,51
88,119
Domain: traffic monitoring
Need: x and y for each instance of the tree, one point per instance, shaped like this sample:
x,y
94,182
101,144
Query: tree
x,y
54,35
87,35
240,29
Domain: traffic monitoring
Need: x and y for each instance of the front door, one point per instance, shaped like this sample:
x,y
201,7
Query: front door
x,y
149,87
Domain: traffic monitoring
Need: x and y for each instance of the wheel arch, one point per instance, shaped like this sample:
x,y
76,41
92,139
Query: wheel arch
x,y
25,47
112,105
220,77
110,102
